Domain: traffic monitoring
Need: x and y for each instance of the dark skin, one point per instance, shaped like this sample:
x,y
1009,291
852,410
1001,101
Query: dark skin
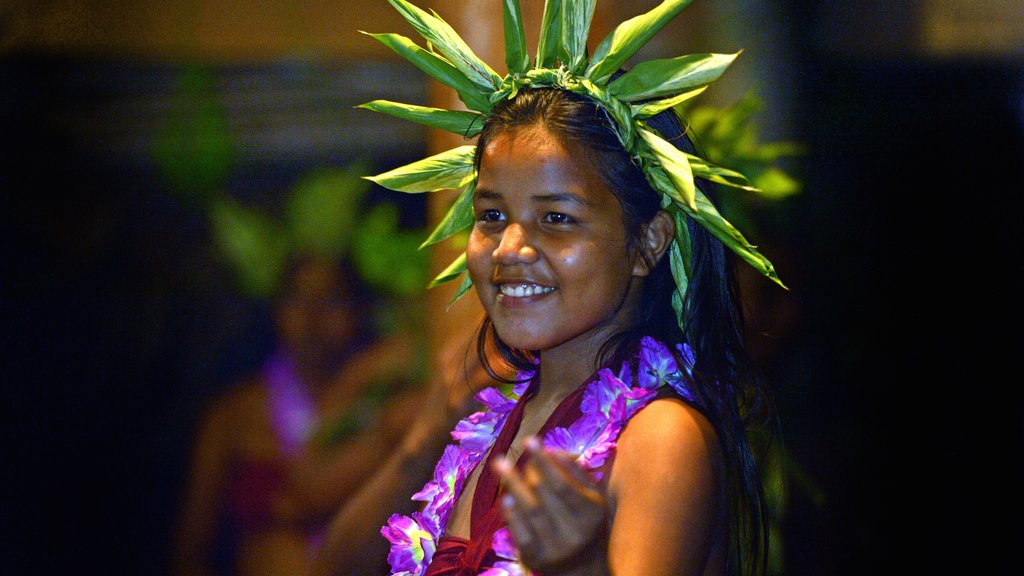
x,y
553,270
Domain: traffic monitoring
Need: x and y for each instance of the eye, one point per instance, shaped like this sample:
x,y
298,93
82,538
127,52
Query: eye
x,y
490,215
558,218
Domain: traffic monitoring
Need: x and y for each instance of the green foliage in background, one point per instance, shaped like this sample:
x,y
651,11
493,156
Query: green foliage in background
x,y
325,213
193,147
730,136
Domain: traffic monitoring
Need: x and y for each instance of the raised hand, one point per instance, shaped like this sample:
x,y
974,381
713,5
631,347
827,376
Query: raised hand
x,y
555,512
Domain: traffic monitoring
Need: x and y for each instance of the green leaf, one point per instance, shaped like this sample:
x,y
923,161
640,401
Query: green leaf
x,y
680,262
448,170
776,184
679,276
709,171
459,217
386,255
466,124
323,207
675,164
669,76
550,34
649,109
445,40
458,266
253,243
628,38
516,58
467,283
438,68
193,148
575,29
708,217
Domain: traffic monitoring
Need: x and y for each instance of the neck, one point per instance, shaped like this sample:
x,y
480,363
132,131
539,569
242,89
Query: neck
x,y
563,368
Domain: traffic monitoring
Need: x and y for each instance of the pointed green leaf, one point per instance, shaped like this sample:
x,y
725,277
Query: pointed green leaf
x,y
680,263
438,68
649,109
629,37
668,76
458,266
550,34
576,18
448,170
674,163
445,40
467,283
459,217
708,217
708,171
466,124
516,58
675,261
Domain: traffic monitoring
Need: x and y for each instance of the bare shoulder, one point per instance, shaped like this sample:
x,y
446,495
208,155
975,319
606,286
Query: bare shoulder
x,y
671,442
666,493
669,426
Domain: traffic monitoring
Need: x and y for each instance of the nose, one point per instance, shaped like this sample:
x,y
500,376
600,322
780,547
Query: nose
x,y
515,247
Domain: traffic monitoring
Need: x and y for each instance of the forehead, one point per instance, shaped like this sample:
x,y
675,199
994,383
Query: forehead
x,y
533,158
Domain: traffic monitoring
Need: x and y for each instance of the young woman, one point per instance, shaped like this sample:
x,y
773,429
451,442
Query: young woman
x,y
567,254
620,446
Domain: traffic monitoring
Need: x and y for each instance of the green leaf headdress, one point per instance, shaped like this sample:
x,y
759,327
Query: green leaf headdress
x,y
562,62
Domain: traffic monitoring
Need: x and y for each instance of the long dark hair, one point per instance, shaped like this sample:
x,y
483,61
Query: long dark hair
x,y
726,388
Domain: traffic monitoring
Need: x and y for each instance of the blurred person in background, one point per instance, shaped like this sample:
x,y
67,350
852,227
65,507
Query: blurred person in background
x,y
279,452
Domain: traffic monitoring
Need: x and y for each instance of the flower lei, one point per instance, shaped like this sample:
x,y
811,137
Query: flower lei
x,y
609,401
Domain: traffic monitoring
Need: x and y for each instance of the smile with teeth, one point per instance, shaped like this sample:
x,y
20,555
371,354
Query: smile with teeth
x,y
524,290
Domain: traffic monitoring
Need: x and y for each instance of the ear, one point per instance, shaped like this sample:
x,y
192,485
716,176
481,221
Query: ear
x,y
657,236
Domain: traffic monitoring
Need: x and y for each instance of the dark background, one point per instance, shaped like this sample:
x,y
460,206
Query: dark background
x,y
898,390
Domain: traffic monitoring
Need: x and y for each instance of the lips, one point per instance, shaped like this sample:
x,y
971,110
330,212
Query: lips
x,y
523,289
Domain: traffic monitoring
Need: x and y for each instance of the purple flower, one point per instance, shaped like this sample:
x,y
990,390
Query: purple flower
x,y
523,379
494,400
412,547
688,358
591,438
503,544
449,475
656,364
476,432
601,393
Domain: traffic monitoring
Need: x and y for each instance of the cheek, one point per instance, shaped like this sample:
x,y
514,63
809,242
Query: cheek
x,y
478,257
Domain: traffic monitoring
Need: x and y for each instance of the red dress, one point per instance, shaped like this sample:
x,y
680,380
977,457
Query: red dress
x,y
461,557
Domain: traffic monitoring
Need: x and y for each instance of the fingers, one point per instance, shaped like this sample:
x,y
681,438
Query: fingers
x,y
553,509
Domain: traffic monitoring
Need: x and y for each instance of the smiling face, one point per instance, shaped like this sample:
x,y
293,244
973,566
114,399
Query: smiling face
x,y
548,252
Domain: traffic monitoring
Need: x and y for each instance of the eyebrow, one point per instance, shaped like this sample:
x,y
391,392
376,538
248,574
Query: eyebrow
x,y
547,197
